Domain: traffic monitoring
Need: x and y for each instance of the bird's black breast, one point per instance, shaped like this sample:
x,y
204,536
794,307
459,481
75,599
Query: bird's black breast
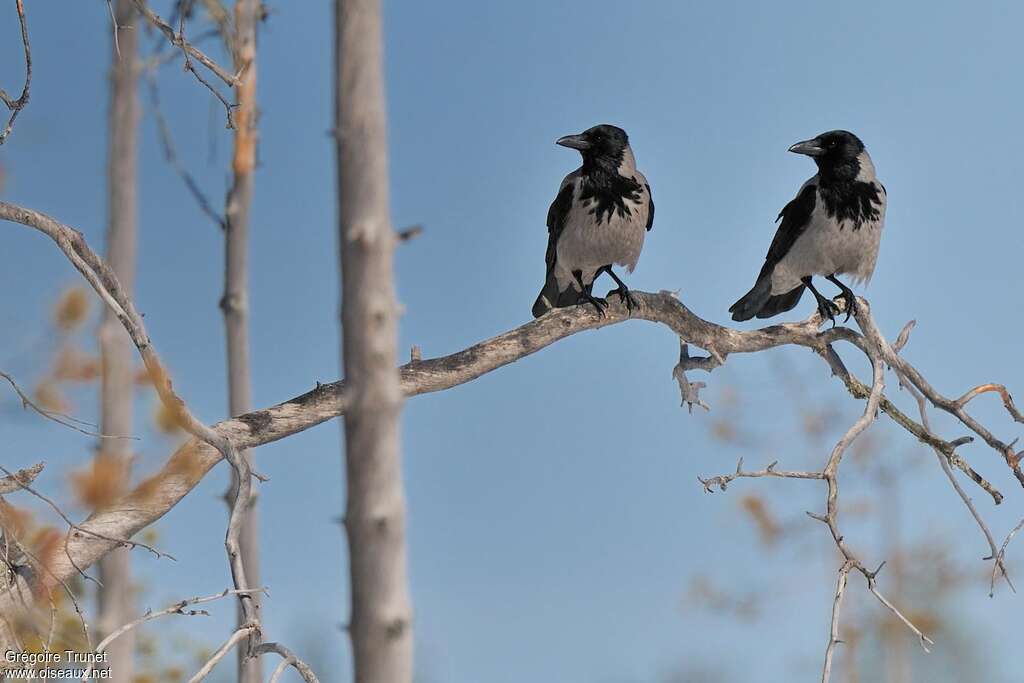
x,y
606,193
856,201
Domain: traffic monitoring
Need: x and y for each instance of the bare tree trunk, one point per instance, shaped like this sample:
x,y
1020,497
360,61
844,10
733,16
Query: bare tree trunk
x,y
235,302
381,621
117,389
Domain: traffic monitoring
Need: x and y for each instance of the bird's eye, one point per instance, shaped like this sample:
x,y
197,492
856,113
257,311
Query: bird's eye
x,y
832,143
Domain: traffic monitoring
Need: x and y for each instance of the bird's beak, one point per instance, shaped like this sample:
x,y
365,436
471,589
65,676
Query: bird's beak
x,y
809,147
574,142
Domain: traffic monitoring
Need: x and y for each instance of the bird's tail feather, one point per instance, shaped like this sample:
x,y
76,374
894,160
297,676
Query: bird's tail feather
x,y
550,297
781,303
751,302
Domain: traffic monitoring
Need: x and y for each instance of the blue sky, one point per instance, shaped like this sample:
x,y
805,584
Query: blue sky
x,y
554,516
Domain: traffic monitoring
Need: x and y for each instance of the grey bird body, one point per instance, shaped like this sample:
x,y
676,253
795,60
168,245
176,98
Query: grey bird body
x,y
832,227
587,244
599,219
833,246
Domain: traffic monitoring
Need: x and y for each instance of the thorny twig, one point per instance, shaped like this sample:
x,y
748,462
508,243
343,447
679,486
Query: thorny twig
x,y
722,480
16,105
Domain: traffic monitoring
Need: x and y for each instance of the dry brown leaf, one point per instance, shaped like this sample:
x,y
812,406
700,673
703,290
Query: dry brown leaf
x,y
101,483
72,308
48,396
73,365
767,527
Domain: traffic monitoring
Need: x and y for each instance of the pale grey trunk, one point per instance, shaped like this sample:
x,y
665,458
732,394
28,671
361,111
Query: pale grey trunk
x,y
117,388
381,618
235,301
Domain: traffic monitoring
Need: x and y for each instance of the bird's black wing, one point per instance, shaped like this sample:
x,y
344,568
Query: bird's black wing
x,y
796,216
650,208
557,213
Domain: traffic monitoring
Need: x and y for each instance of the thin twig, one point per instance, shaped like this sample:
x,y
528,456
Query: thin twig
x,y
178,40
171,156
190,52
1000,557
20,479
948,457
833,638
289,660
15,478
176,608
16,105
113,21
235,638
722,480
58,417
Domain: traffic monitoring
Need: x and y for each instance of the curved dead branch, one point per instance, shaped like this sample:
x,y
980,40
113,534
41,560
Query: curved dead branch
x,y
187,466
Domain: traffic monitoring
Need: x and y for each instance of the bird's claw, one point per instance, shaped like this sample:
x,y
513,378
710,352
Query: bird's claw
x,y
626,297
827,310
851,304
597,302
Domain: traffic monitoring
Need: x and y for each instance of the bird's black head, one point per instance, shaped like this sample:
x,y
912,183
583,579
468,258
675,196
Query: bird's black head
x,y
604,145
835,153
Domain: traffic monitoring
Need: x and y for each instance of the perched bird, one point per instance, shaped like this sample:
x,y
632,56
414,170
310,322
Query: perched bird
x,y
832,227
599,219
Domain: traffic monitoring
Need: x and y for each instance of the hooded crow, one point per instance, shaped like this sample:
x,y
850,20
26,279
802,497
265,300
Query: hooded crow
x,y
832,227
599,219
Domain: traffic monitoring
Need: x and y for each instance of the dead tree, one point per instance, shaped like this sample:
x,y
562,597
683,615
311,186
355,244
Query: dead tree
x,y
117,390
235,301
381,622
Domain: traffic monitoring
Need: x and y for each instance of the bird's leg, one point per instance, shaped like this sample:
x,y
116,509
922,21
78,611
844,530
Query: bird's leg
x,y
826,308
846,295
586,296
623,291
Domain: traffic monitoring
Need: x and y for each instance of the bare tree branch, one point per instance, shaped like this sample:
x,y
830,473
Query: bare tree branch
x,y
289,659
1000,556
236,637
62,419
176,608
722,480
837,603
179,41
16,105
20,479
190,52
189,464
